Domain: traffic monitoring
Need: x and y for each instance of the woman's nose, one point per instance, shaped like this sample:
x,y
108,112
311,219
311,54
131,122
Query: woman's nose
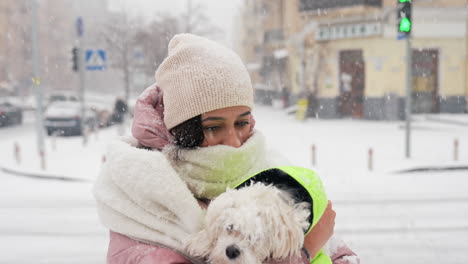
x,y
233,139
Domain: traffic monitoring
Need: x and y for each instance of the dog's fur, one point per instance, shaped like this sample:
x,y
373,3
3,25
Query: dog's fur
x,y
261,222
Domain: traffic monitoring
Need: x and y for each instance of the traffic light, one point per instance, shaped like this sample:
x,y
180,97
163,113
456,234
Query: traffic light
x,y
75,59
404,17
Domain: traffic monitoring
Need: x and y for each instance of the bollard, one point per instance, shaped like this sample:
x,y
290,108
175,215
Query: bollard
x,y
103,159
455,149
54,139
96,132
120,129
17,153
370,159
85,132
314,161
43,163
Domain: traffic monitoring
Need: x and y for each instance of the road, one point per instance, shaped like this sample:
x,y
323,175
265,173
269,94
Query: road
x,y
413,218
405,231
49,221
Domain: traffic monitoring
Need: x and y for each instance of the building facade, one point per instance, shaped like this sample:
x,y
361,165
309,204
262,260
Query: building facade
x,y
344,56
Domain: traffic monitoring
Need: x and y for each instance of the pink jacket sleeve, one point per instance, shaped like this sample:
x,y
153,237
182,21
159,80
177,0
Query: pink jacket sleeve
x,y
124,250
148,120
342,254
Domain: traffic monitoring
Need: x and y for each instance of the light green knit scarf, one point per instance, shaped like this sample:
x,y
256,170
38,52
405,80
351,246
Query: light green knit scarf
x,y
208,171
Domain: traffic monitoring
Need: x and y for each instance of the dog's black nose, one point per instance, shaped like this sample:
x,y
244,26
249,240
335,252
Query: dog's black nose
x,y
232,252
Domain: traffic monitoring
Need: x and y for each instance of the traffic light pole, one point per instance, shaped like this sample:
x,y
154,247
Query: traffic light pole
x,y
37,83
409,84
81,72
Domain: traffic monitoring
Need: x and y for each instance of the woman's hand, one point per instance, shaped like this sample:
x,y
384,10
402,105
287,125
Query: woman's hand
x,y
321,232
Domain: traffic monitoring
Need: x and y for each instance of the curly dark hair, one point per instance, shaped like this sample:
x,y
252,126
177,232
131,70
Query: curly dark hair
x,y
189,134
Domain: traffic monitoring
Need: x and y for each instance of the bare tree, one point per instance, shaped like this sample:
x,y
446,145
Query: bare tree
x,y
119,35
135,46
153,40
195,21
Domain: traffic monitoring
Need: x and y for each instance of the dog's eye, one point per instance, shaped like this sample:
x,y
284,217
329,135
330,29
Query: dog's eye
x,y
229,228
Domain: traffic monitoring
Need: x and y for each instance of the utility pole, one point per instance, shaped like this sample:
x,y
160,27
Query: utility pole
x,y
404,28
409,84
37,83
81,71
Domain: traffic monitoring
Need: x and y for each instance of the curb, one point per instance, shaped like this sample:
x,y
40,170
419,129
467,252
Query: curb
x,y
40,176
433,169
446,121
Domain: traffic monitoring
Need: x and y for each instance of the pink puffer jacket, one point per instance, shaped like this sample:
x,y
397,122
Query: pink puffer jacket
x,y
124,250
148,120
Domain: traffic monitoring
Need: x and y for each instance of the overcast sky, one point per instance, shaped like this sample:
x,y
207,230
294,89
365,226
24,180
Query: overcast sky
x,y
221,12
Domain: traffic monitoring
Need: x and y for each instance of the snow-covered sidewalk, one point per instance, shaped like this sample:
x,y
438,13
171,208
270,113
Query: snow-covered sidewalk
x,y
341,146
66,158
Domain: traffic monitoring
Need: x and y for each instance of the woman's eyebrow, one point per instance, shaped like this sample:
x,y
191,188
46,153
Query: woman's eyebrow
x,y
211,118
245,114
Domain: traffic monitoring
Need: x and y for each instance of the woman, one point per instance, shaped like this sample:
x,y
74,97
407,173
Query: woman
x,y
193,137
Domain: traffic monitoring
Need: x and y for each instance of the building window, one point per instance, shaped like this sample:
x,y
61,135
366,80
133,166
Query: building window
x,y
258,49
273,35
312,5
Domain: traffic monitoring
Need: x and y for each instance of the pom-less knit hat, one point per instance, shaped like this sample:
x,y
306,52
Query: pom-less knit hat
x,y
200,75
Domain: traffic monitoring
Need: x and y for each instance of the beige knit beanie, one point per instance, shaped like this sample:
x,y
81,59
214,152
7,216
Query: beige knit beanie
x,y
198,76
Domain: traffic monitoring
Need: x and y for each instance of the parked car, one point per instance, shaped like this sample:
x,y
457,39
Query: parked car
x,y
62,96
10,114
64,118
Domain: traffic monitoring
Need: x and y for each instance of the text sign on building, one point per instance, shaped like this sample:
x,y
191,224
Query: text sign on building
x,y
348,31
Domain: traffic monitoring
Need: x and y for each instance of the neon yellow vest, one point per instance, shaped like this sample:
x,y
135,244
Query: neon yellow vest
x,y
321,258
308,184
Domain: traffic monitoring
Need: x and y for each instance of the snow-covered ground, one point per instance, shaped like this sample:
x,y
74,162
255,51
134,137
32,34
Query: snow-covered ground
x,y
386,217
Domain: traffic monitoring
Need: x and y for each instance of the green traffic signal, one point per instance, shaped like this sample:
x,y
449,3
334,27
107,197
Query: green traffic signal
x,y
402,1
405,24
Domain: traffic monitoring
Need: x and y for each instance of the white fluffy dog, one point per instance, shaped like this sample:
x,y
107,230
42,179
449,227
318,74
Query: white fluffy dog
x,y
251,225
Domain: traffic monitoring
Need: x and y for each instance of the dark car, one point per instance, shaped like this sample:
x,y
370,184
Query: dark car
x,y
10,114
64,118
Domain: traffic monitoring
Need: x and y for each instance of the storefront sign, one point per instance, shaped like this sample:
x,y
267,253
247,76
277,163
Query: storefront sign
x,y
348,31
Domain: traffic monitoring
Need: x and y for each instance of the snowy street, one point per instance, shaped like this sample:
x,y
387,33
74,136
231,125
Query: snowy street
x,y
47,221
386,217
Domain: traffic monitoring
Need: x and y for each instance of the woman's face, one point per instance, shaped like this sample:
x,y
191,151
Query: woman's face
x,y
229,126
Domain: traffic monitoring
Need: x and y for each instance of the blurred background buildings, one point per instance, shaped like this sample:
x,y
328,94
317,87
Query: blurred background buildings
x,y
345,58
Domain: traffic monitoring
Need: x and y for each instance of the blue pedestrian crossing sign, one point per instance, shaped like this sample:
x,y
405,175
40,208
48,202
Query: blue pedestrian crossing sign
x,y
95,60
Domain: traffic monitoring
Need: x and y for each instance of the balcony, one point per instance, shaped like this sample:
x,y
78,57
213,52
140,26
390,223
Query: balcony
x,y
316,5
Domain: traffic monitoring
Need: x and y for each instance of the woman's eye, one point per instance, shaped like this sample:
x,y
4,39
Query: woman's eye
x,y
242,123
211,128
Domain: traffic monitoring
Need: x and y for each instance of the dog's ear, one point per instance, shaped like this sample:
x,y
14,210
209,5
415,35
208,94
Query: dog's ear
x,y
290,227
199,244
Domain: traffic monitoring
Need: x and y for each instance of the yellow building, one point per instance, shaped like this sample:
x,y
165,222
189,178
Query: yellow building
x,y
6,8
345,57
